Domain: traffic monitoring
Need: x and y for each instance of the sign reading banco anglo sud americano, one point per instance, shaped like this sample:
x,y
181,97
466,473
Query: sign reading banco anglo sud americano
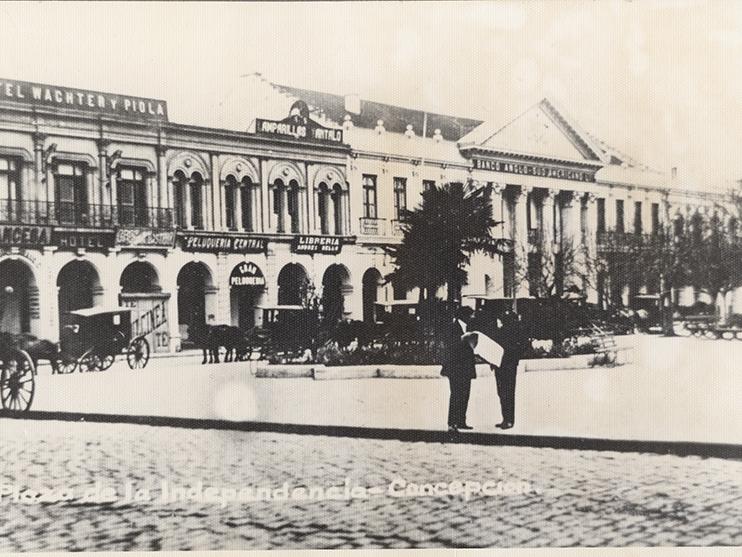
x,y
52,96
528,169
222,242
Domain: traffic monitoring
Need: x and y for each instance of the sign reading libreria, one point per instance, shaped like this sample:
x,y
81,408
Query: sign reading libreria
x,y
37,94
298,128
222,242
542,171
316,244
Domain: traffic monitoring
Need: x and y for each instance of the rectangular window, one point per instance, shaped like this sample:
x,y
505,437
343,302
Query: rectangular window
x,y
10,190
619,216
428,185
601,215
400,197
637,217
71,194
369,196
132,197
655,218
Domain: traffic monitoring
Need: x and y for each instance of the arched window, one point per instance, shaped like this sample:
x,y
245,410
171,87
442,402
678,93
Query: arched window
x,y
180,183
230,201
247,204
196,186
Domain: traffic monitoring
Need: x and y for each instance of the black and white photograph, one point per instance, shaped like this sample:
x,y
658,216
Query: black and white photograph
x,y
370,275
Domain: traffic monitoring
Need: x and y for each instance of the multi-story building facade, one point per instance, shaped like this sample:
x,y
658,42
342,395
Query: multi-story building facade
x,y
104,201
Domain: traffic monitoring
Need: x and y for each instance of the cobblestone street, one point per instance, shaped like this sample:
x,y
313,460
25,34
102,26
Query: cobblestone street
x,y
546,497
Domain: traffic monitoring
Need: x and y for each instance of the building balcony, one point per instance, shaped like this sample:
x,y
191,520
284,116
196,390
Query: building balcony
x,y
83,215
372,227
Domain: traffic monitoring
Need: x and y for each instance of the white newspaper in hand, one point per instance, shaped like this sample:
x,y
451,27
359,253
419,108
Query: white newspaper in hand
x,y
487,349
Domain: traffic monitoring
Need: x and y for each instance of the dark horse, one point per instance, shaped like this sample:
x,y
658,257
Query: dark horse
x,y
212,337
37,348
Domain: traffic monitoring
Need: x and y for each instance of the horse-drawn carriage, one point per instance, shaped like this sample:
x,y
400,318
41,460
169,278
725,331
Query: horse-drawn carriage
x,y
91,338
17,375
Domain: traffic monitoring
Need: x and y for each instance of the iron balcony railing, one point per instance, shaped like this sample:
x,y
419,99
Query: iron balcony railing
x,y
83,214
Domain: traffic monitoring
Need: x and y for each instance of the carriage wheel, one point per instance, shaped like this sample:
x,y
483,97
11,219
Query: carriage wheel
x,y
89,361
66,365
17,383
137,355
106,361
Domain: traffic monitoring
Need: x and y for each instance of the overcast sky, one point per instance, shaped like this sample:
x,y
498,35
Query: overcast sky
x,y
658,80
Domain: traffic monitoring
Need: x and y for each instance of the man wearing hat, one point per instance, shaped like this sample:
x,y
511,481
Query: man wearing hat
x,y
458,366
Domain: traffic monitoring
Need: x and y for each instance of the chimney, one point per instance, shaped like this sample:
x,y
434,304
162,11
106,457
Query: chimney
x,y
353,104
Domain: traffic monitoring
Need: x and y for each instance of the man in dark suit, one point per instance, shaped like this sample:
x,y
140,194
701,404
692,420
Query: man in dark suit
x,y
511,336
458,366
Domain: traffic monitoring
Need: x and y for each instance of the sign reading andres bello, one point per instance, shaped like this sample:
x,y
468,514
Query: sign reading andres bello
x,y
316,244
23,92
246,274
222,242
298,126
535,170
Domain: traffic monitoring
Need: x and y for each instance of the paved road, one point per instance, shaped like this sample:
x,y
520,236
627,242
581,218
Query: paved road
x,y
557,498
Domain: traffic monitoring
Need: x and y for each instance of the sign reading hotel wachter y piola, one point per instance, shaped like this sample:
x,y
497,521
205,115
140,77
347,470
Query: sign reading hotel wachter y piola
x,y
53,96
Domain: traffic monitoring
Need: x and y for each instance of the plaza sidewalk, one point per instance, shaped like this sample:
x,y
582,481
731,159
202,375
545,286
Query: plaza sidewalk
x,y
678,389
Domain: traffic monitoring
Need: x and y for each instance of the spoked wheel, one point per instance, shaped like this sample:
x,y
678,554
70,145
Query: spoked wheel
x,y
106,361
66,365
89,361
17,383
137,355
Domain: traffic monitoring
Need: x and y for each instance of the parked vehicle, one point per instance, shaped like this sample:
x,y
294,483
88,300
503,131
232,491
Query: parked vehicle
x,y
92,338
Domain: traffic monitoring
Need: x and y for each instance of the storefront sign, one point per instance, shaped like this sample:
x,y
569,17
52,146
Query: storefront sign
x,y
535,170
37,94
295,128
91,240
316,244
25,236
145,237
222,242
246,274
149,318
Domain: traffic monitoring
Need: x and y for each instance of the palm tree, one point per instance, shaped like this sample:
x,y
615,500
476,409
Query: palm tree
x,y
439,237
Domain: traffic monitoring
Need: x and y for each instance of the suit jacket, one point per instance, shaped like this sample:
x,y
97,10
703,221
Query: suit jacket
x,y
458,356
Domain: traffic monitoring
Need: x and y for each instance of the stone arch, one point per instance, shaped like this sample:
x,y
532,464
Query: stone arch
x,y
140,277
336,287
188,162
240,168
78,286
19,296
329,175
372,284
196,295
286,171
291,282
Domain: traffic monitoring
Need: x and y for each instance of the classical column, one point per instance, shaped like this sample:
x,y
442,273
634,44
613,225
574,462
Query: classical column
x,y
186,192
215,197
39,178
520,229
286,217
164,197
207,223
592,246
497,213
238,207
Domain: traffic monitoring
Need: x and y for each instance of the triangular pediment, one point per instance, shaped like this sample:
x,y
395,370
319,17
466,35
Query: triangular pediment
x,y
541,131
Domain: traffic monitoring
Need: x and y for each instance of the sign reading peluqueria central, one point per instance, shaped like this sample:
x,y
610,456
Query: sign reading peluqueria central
x,y
38,94
222,242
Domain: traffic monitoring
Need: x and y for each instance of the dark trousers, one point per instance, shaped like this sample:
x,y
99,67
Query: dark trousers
x,y
505,377
459,401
